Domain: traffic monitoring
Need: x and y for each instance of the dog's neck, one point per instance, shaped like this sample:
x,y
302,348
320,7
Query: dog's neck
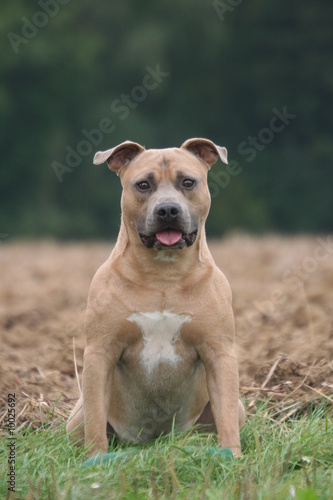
x,y
158,265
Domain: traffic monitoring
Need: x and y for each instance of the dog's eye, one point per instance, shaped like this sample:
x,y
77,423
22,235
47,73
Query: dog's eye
x,y
143,185
188,183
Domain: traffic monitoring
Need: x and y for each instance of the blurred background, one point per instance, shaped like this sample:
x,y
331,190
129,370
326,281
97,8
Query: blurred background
x,y
77,77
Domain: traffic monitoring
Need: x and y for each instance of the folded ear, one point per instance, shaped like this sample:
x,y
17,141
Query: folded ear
x,y
119,156
206,150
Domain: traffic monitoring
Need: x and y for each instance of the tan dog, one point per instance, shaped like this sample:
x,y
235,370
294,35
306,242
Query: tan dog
x,y
159,324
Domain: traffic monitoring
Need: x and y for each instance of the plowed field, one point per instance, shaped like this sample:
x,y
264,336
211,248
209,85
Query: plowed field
x,y
283,305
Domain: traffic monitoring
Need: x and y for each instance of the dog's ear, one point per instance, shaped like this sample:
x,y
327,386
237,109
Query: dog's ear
x,y
119,156
206,150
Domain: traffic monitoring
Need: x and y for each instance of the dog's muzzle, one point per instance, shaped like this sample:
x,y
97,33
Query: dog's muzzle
x,y
168,228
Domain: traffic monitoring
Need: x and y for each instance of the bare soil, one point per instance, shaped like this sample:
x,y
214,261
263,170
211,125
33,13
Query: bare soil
x,y
283,305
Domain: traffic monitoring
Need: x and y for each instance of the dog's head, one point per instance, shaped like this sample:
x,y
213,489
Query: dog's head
x,y
165,196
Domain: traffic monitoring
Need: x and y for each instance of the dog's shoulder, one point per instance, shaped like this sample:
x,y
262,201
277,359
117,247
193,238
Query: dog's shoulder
x,y
222,284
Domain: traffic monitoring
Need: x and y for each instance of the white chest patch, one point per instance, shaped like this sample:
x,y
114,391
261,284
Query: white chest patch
x,y
160,331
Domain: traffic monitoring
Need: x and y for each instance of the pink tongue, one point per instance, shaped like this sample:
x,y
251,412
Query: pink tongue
x,y
169,237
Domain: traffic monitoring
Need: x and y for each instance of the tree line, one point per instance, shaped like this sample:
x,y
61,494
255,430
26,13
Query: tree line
x,y
77,77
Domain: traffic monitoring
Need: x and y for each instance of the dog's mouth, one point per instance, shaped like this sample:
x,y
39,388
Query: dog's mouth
x,y
170,238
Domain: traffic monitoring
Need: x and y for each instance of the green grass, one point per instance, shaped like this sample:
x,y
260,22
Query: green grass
x,y
293,459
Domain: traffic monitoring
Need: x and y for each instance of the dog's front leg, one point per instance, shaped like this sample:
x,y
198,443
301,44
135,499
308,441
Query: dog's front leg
x,y
97,378
223,389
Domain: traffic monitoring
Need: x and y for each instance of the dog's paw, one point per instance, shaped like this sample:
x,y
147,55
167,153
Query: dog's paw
x,y
96,447
237,452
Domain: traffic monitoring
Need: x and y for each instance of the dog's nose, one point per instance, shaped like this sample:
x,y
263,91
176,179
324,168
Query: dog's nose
x,y
168,212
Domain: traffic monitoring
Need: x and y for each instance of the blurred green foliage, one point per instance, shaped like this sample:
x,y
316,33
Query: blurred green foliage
x,y
67,65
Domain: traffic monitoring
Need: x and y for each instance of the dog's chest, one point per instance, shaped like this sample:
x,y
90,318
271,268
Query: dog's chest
x,y
160,331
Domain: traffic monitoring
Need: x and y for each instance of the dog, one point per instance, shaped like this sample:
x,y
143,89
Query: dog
x,y
159,325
